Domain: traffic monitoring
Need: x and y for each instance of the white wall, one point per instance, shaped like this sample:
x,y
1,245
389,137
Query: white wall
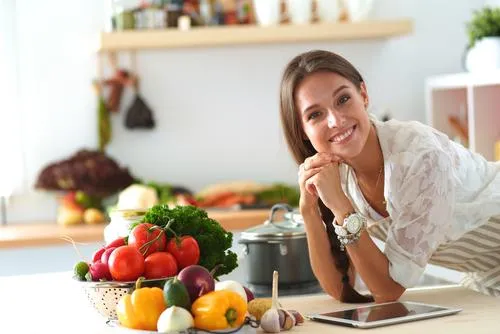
x,y
216,108
492,2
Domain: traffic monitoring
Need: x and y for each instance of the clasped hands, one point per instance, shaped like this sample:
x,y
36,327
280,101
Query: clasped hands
x,y
319,177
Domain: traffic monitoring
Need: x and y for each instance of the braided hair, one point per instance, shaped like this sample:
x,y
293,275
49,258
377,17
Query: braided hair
x,y
348,295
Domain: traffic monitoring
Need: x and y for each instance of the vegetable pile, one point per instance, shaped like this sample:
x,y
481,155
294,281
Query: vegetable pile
x,y
189,250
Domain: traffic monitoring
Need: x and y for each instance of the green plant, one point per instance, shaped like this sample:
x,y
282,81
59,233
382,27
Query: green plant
x,y
485,23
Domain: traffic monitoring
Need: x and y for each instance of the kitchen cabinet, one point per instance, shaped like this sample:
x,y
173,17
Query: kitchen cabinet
x,y
251,34
471,98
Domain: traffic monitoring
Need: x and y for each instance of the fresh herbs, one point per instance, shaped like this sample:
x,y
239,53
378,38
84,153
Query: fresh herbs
x,y
213,240
484,23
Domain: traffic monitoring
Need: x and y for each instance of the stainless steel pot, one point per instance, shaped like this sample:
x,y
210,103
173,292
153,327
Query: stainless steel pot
x,y
277,245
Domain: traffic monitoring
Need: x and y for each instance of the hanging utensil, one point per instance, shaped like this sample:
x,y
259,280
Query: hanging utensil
x,y
139,114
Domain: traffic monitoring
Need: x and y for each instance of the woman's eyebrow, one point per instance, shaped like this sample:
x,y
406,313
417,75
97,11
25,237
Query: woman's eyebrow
x,y
334,93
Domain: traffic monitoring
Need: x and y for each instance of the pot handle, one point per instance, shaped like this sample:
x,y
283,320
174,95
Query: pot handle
x,y
277,207
283,247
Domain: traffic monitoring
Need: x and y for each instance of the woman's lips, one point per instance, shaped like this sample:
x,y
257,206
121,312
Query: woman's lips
x,y
343,137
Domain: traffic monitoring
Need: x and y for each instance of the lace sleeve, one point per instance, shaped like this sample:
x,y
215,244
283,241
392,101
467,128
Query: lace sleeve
x,y
423,200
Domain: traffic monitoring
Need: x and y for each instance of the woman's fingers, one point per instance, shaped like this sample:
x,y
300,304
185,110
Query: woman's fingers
x,y
306,182
320,160
308,179
306,174
311,188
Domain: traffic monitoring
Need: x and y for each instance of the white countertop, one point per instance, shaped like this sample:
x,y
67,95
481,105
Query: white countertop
x,y
54,303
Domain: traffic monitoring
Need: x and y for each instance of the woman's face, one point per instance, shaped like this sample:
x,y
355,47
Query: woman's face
x,y
333,114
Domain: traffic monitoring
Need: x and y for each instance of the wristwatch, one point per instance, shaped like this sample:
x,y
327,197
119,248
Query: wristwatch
x,y
350,230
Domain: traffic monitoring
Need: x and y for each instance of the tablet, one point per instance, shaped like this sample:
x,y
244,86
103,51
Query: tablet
x,y
377,315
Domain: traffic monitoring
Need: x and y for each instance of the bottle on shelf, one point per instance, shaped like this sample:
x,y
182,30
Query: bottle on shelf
x,y
174,9
243,11
137,14
123,14
207,11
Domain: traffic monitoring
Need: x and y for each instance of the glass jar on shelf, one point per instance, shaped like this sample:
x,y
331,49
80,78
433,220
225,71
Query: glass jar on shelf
x,y
123,14
151,15
138,14
121,220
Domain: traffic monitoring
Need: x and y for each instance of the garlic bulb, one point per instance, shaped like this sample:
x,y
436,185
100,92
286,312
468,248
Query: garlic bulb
x,y
270,321
276,319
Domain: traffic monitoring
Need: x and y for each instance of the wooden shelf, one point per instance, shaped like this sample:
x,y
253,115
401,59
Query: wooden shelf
x,y
50,234
251,34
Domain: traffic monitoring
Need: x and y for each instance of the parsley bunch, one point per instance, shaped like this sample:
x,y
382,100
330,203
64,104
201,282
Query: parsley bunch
x,y
213,240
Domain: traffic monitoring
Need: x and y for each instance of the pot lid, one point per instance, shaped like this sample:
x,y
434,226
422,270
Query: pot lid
x,y
291,227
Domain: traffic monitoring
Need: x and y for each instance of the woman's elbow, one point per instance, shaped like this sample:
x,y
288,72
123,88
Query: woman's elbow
x,y
334,294
389,296
334,291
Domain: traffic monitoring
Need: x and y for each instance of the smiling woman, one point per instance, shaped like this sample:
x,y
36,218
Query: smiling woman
x,y
428,198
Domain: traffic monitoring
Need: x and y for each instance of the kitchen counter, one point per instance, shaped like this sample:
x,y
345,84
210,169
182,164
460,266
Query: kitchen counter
x,y
54,303
48,234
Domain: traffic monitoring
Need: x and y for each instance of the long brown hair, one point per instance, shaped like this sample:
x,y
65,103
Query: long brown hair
x,y
297,69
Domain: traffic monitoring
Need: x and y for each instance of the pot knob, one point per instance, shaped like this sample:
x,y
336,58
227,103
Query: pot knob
x,y
275,209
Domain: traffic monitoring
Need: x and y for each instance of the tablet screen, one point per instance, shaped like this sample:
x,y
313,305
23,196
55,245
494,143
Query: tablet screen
x,y
384,311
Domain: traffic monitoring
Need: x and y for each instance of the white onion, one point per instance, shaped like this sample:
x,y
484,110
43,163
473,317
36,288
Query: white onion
x,y
232,286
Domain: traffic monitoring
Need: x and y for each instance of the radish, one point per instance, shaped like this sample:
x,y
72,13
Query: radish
x,y
97,254
100,271
106,254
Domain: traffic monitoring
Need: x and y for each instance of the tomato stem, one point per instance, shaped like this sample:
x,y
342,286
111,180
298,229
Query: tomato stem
x,y
150,242
177,239
170,222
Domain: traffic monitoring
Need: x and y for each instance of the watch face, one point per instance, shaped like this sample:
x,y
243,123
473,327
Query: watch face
x,y
354,223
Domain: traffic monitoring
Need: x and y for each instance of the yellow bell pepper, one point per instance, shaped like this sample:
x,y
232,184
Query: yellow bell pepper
x,y
142,308
219,310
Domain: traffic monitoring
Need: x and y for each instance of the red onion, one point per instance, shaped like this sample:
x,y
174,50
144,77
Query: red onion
x,y
198,281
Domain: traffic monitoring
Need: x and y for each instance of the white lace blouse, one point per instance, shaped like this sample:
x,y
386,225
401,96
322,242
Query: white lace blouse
x,y
436,191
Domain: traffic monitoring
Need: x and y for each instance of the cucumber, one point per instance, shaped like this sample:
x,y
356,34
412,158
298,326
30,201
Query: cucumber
x,y
175,293
80,270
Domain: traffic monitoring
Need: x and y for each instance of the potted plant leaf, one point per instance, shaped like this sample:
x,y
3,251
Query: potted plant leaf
x,y
483,30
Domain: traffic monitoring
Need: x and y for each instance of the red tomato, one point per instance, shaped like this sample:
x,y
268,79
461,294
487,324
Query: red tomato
x,y
97,254
160,265
116,243
147,238
106,254
126,263
187,252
